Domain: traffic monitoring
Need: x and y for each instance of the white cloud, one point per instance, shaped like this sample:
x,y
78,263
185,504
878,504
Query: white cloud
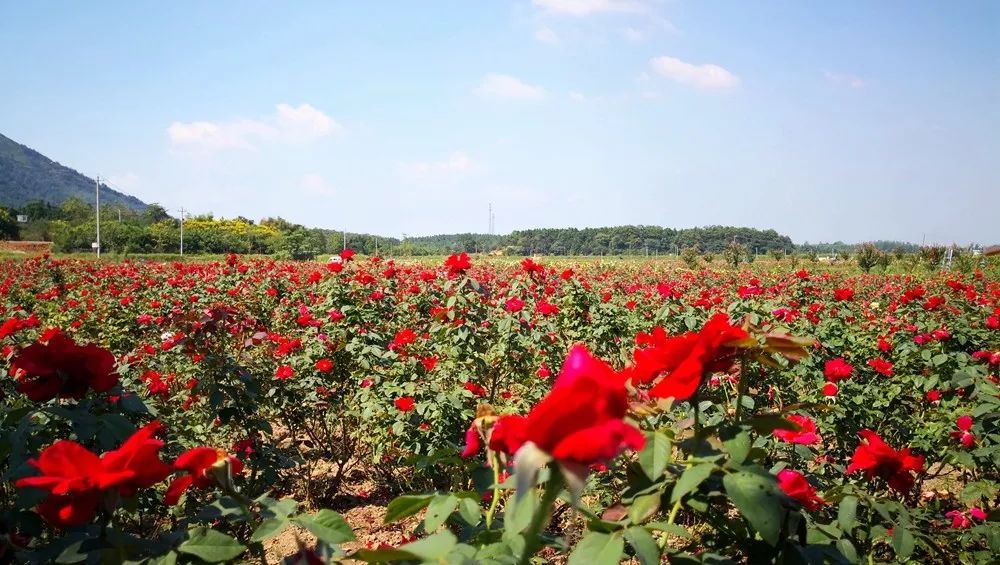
x,y
699,76
849,80
633,34
455,164
315,184
288,124
587,7
546,35
304,122
505,86
578,96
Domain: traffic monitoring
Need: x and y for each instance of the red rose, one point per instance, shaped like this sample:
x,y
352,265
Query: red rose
x,y
402,339
877,459
963,435
580,421
546,308
63,369
140,454
837,369
203,466
683,361
805,435
843,294
76,479
324,365
514,305
881,366
405,403
457,264
796,486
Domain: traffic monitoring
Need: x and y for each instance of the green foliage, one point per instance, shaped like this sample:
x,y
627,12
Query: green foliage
x,y
638,240
868,256
705,487
690,257
8,225
736,253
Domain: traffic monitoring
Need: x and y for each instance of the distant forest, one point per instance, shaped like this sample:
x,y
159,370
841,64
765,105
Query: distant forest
x,y
124,230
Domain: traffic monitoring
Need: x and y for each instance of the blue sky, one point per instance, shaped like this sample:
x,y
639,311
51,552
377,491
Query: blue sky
x,y
823,120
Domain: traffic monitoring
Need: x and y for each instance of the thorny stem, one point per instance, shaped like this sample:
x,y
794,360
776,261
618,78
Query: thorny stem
x,y
741,389
673,512
495,464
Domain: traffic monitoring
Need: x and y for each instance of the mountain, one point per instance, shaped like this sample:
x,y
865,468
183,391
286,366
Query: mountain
x,y
26,175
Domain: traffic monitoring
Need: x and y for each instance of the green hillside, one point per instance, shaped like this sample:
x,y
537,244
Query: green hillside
x,y
26,175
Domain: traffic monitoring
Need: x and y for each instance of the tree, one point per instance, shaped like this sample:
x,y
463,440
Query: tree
x,y
735,253
154,214
8,226
76,210
868,256
690,256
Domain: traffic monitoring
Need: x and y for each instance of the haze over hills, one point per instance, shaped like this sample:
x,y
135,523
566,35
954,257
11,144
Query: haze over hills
x,y
26,175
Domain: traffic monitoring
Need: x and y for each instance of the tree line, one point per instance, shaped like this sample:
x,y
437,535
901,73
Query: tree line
x,y
71,227
642,240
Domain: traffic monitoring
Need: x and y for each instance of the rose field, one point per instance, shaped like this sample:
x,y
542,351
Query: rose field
x,y
490,410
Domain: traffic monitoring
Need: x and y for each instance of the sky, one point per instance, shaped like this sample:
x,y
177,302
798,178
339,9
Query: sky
x,y
825,121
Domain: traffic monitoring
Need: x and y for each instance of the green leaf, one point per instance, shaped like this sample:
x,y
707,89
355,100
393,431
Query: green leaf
x,y
690,479
211,546
847,513
846,548
672,529
759,500
327,525
405,506
902,542
432,548
644,545
269,528
738,447
654,457
469,510
438,510
598,548
644,507
278,508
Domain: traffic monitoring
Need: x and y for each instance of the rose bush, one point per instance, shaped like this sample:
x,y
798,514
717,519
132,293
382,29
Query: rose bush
x,y
189,412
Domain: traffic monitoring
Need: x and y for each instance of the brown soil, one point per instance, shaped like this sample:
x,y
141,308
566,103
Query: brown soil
x,y
365,514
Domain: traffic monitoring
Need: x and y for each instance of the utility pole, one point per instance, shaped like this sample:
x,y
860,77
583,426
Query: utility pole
x,y
376,246
98,210
182,231
345,239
